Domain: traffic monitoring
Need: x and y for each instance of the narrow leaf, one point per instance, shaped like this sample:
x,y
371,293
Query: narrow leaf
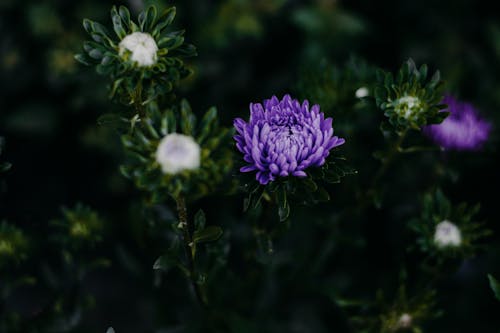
x,y
209,234
495,286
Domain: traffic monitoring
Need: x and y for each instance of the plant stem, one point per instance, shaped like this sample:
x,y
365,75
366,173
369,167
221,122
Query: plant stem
x,y
396,148
137,98
187,227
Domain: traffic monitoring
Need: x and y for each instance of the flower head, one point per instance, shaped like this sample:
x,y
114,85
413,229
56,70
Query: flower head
x,y
408,107
284,138
405,321
178,152
362,92
409,99
13,244
79,225
140,47
463,129
172,153
448,231
145,50
447,234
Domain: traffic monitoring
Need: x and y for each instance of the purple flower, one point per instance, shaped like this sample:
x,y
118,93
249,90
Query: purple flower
x,y
463,129
284,138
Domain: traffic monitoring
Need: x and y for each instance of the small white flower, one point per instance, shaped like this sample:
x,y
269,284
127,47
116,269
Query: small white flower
x,y
408,106
405,321
447,234
142,47
178,152
362,92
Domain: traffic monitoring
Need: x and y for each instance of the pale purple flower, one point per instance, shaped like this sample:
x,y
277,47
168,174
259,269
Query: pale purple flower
x,y
284,138
463,129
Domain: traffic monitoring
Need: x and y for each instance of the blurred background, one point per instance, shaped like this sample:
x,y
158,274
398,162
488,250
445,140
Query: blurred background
x,y
248,50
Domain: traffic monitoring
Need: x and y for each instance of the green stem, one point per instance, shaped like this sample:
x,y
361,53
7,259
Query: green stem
x,y
187,227
386,162
137,98
416,149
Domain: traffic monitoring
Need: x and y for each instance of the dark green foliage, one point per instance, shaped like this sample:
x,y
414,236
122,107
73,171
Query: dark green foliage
x,y
333,87
317,271
309,190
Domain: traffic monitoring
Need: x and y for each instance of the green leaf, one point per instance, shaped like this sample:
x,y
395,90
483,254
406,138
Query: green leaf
x,y
188,120
199,220
255,194
166,19
125,15
168,15
209,234
82,59
283,206
284,212
87,25
322,195
5,166
170,259
112,120
142,20
206,123
165,262
150,18
96,54
495,286
115,87
117,23
309,184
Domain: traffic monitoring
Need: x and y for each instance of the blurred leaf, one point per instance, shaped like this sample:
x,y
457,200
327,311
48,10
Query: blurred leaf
x,y
495,286
209,234
199,220
5,166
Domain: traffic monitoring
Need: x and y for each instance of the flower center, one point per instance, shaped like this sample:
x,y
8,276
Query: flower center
x,y
6,247
408,107
178,152
140,48
447,234
79,229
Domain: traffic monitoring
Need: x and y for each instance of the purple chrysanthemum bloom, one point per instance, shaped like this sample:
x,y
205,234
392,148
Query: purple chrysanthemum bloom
x,y
284,138
463,129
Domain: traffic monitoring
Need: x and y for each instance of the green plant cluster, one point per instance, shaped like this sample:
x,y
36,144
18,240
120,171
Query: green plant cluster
x,y
131,82
302,191
208,248
436,208
79,226
410,100
142,142
13,244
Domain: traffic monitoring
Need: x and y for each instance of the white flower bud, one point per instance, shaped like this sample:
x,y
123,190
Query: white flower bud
x,y
142,47
178,152
405,321
447,234
362,92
